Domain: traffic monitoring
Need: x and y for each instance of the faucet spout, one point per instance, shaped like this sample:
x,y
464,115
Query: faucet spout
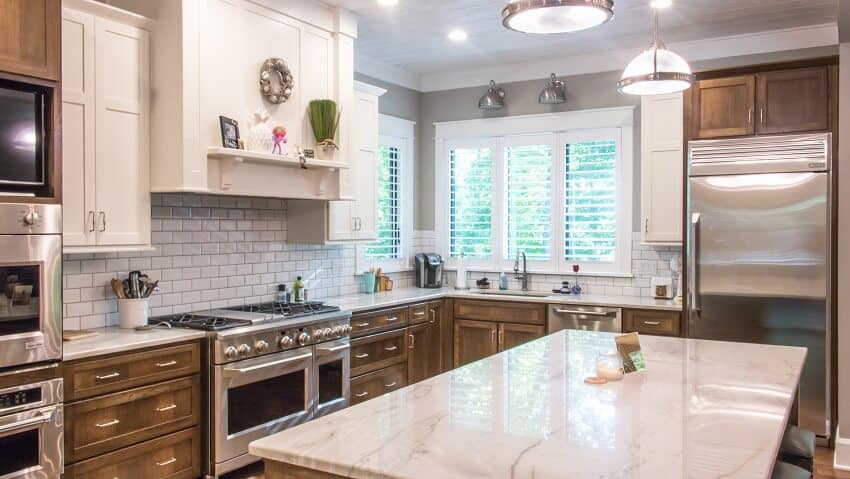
x,y
524,276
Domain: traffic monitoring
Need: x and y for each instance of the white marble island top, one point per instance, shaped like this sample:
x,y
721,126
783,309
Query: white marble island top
x,y
702,409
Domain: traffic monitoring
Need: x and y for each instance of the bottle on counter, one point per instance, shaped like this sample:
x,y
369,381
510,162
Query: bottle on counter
x,y
298,290
460,274
283,295
503,281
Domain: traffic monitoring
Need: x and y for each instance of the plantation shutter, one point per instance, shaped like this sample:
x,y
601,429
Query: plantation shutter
x,y
528,199
471,202
590,200
388,245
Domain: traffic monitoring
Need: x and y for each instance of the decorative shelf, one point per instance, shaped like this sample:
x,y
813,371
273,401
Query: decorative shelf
x,y
248,156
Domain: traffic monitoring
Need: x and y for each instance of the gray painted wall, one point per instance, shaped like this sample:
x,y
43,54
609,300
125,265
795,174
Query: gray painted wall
x,y
596,90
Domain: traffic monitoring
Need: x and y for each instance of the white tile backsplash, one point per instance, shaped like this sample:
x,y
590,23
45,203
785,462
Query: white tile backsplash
x,y
215,251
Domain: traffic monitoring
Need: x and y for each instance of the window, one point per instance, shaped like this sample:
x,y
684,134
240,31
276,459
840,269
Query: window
x,y
471,202
557,187
394,199
389,243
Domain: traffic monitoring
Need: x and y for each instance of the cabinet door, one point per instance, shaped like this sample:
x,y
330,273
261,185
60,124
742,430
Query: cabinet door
x,y
423,359
342,225
793,101
78,120
29,37
724,107
122,181
474,340
365,138
662,161
511,334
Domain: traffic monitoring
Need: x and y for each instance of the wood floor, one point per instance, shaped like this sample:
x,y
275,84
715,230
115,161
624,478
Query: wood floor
x,y
823,468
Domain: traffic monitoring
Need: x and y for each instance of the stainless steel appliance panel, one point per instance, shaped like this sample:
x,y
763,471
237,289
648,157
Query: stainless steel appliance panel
x,y
331,377
31,432
586,318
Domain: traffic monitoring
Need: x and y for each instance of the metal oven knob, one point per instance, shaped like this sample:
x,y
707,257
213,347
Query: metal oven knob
x,y
346,329
261,346
327,332
244,350
303,338
318,334
31,218
337,330
231,352
285,342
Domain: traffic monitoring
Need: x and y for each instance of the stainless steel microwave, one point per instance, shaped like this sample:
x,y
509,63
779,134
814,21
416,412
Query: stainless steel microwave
x,y
23,127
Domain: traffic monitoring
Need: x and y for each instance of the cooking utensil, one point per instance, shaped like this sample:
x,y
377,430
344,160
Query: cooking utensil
x,y
118,288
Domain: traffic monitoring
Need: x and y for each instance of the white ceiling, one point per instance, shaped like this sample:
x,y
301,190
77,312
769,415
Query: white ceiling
x,y
411,36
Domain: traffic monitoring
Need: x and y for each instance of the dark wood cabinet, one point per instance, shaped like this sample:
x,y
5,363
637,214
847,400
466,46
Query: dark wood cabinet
x,y
474,340
500,311
724,107
761,103
378,351
30,41
424,355
511,334
377,383
793,100
645,321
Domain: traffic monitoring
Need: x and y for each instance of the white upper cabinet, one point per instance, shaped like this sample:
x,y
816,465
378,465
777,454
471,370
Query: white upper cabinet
x,y
207,58
662,167
106,121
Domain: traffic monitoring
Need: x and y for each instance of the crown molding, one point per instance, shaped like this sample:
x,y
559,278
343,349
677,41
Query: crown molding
x,y
811,36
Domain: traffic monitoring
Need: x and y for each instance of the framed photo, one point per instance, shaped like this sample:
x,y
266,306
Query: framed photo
x,y
229,132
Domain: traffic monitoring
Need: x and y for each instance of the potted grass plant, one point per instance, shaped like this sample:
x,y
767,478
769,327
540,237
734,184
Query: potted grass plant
x,y
324,120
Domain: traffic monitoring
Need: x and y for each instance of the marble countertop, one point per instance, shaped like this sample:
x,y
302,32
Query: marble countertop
x,y
701,409
361,302
116,340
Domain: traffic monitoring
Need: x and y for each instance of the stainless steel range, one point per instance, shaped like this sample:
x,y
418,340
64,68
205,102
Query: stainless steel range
x,y
271,366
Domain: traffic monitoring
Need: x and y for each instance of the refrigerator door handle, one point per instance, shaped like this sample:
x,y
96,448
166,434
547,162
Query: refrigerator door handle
x,y
693,285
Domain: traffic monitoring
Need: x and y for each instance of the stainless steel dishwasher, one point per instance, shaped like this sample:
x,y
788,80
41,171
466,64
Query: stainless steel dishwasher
x,y
588,318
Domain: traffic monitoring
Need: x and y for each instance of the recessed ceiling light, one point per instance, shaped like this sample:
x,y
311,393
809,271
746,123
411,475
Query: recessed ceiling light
x,y
458,35
661,3
387,3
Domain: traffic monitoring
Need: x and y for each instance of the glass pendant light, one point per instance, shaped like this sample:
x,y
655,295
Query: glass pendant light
x,y
656,71
556,16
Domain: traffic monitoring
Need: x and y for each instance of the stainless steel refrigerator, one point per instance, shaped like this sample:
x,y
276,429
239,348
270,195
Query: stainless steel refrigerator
x,y
759,252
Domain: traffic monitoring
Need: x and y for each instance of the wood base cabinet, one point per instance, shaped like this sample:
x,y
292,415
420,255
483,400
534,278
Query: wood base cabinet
x,y
645,321
478,333
424,342
474,340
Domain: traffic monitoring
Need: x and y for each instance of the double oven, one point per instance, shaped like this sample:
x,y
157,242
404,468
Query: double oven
x,y
253,397
30,341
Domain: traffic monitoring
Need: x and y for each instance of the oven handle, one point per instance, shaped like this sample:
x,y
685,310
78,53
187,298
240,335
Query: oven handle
x,y
42,417
271,364
332,349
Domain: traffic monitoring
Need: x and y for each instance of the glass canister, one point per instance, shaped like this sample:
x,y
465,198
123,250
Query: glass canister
x,y
609,365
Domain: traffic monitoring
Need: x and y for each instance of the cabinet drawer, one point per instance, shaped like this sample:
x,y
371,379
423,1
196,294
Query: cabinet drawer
x,y
368,323
107,423
89,378
175,456
422,312
665,323
501,311
378,351
380,382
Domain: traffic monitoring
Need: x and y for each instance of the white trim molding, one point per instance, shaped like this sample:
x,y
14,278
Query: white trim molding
x,y
841,460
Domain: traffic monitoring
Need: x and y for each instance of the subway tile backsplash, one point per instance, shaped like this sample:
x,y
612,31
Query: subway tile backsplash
x,y
215,251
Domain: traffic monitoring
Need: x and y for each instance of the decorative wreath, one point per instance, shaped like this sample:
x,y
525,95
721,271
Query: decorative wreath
x,y
278,67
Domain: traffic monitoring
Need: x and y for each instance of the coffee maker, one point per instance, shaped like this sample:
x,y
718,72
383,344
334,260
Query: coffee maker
x,y
429,270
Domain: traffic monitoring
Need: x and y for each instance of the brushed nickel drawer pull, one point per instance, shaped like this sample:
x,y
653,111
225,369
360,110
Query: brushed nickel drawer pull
x,y
390,384
166,364
392,318
361,355
107,423
363,394
502,337
108,376
652,323
419,313
362,325
433,316
412,340
390,348
165,463
166,408
493,336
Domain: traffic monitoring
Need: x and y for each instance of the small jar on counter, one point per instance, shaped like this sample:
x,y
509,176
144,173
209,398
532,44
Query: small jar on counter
x,y
609,365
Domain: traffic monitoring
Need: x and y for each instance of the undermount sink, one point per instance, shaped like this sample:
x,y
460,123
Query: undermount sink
x,y
531,294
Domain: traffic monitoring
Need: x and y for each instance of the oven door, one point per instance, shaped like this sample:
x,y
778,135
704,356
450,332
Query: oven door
x,y
331,376
30,299
257,397
31,444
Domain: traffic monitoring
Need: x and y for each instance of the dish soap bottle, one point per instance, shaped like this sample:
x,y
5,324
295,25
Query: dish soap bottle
x,y
503,281
298,290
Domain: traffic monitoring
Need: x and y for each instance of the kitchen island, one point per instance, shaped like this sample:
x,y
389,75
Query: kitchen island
x,y
701,409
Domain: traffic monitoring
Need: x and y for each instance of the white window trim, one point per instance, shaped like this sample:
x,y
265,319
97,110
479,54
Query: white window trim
x,y
400,133
562,127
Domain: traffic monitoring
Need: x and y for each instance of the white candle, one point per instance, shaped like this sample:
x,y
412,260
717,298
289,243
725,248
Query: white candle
x,y
611,372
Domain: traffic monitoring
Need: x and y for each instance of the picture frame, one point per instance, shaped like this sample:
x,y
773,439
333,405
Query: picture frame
x,y
229,132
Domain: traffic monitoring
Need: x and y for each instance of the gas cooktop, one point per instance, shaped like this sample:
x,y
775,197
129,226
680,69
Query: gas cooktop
x,y
200,321
287,310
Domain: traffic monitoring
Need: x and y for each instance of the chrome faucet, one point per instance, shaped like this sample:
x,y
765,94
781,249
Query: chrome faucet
x,y
524,276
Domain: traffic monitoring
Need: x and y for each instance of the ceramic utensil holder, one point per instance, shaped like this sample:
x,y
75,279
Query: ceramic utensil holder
x,y
133,313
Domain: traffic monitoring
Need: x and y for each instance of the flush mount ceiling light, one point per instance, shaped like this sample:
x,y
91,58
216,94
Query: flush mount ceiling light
x,y
555,92
387,3
457,35
494,99
656,71
556,16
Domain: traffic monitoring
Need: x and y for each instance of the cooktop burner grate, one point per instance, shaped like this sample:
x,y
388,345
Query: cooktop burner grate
x,y
199,321
287,310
